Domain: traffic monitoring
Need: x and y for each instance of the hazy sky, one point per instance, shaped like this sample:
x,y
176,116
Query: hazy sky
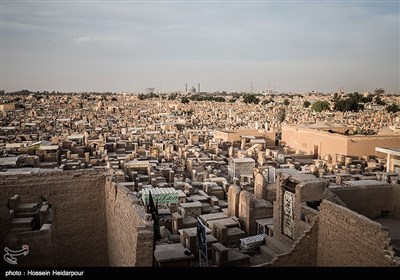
x,y
224,45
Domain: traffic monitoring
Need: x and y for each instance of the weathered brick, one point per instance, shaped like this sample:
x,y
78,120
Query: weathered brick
x,y
94,223
346,238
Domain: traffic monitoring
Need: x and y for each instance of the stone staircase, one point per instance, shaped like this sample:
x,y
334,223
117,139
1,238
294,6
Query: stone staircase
x,y
23,216
273,248
22,224
25,210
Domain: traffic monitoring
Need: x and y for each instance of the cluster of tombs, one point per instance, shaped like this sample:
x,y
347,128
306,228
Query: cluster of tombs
x,y
257,201
89,131
265,223
265,197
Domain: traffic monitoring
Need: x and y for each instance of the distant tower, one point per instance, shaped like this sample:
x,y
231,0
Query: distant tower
x,y
251,87
186,87
198,87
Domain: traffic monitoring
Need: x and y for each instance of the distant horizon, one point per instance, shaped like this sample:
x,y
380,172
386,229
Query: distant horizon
x,y
184,92
128,46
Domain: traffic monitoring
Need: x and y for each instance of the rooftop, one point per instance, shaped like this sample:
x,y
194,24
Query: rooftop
x,y
365,183
390,151
239,160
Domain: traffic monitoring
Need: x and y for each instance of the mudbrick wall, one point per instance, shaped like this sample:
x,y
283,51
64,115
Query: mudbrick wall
x,y
79,224
339,236
95,223
302,253
129,231
346,238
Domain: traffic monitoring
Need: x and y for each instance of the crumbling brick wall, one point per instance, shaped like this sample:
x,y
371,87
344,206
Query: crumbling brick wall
x,y
303,251
340,237
77,201
346,238
130,236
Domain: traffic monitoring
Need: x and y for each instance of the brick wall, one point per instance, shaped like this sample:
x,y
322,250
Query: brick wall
x,y
369,201
304,250
130,236
41,247
396,201
340,237
77,200
346,238
302,253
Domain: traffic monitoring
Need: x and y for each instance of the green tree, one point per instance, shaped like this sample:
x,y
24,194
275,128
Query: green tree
x,y
195,97
250,98
352,103
219,99
267,101
286,102
185,100
393,108
24,92
379,101
320,106
348,104
367,99
172,96
306,104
